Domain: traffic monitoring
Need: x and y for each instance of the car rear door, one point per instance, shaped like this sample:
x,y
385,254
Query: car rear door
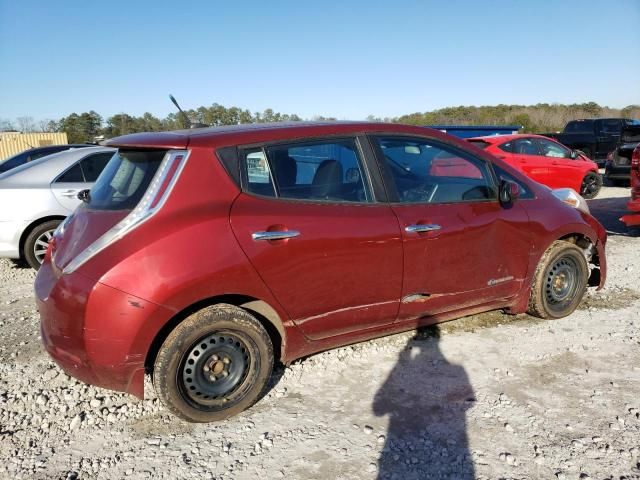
x,y
564,171
80,176
528,158
319,236
461,247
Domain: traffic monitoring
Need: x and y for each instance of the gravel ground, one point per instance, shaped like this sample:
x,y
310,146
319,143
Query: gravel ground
x,y
489,396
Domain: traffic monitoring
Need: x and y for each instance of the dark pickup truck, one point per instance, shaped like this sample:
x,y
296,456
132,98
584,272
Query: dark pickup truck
x,y
596,137
618,166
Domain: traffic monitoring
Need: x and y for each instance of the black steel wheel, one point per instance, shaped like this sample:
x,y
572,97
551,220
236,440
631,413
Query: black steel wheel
x,y
214,364
560,281
591,185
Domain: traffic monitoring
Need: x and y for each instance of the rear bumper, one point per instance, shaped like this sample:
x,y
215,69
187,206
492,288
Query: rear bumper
x,y
10,233
92,330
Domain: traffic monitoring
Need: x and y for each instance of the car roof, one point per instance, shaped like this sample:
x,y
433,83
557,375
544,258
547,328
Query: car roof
x,y
257,132
494,139
44,170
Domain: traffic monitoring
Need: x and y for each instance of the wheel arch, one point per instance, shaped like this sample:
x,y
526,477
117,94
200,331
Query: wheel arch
x,y
260,309
588,246
25,233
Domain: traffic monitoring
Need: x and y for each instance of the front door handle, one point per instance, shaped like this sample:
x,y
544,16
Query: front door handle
x,y
422,228
277,235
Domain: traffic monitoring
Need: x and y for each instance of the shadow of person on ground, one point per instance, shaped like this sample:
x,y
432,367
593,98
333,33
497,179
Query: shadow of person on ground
x,y
425,398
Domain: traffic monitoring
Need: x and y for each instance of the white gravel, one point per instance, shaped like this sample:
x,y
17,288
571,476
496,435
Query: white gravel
x,y
493,397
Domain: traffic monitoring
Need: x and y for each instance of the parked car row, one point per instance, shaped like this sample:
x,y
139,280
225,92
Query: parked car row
x,y
203,257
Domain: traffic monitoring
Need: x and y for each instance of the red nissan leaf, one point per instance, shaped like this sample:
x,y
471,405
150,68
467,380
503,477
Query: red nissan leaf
x,y
546,161
203,257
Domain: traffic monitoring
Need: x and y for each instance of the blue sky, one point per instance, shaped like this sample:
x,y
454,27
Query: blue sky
x,y
345,58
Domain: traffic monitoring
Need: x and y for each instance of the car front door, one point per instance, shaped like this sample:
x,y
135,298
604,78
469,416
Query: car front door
x,y
313,228
80,176
461,247
528,158
564,171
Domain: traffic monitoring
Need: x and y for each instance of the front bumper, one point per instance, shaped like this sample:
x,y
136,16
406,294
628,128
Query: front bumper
x,y
10,233
92,331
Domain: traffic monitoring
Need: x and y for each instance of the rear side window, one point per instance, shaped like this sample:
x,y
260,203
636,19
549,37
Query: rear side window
x,y
125,179
72,175
329,170
479,143
506,147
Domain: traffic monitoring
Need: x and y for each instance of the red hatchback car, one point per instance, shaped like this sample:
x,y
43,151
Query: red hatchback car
x,y
204,256
546,161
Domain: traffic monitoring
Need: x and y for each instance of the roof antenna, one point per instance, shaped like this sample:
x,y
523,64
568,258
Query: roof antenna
x,y
184,115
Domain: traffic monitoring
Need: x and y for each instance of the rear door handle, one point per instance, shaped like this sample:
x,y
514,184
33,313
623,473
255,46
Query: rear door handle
x,y
277,235
422,228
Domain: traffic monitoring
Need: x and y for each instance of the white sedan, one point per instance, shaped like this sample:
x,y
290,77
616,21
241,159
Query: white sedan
x,y
36,197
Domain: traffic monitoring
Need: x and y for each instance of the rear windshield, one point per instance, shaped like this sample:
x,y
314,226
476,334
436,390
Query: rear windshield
x,y
479,143
125,179
582,126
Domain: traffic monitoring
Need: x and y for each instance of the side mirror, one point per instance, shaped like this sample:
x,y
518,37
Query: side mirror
x,y
509,192
84,195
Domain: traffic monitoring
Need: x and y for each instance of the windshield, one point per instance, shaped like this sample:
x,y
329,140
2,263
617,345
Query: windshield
x,y
125,179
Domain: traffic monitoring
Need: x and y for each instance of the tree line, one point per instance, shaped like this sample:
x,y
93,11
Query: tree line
x,y
539,118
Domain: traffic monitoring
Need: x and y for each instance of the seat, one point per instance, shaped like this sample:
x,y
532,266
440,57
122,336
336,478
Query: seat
x,y
285,171
327,181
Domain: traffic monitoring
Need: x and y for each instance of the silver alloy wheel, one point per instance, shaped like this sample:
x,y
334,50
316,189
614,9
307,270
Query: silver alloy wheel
x,y
41,244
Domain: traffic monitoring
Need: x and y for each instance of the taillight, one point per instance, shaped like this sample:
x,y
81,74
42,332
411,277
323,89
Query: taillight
x,y
152,201
635,159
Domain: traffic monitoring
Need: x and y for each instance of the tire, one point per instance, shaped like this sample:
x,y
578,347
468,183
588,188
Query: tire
x,y
563,263
34,246
214,364
591,185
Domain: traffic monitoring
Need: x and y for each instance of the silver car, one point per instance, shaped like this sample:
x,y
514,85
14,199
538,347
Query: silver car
x,y
36,197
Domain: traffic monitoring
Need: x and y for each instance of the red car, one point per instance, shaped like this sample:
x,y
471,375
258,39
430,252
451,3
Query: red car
x,y
633,218
546,161
204,256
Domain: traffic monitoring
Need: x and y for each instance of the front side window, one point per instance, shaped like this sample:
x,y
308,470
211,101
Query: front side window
x,y
329,170
423,171
552,149
93,165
